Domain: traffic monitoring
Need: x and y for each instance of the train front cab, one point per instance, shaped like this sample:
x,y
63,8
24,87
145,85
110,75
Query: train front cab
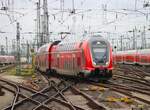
x,y
98,58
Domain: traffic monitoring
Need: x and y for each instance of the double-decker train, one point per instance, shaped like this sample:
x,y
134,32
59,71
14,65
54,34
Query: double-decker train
x,y
140,57
85,57
4,59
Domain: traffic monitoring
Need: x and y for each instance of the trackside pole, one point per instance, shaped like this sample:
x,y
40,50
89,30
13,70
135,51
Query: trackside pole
x,y
18,64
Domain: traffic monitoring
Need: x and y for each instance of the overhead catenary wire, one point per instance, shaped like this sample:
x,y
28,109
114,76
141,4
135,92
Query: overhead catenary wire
x,y
119,15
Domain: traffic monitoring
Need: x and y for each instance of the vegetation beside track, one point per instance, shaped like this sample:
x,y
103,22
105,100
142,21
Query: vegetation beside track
x,y
25,71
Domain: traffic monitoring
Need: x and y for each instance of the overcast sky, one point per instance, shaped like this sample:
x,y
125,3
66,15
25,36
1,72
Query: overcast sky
x,y
120,16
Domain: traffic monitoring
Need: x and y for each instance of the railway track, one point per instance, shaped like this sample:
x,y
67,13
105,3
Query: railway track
x,y
50,98
119,88
133,70
53,96
75,97
4,68
130,79
128,90
61,93
18,91
132,86
105,93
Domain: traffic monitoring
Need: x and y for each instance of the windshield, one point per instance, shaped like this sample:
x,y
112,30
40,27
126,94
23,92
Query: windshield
x,y
99,51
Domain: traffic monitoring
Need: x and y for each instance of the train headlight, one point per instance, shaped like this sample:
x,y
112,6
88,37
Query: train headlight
x,y
94,63
107,63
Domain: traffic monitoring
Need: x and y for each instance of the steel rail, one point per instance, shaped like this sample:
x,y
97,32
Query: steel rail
x,y
19,85
2,69
34,95
132,79
129,88
10,90
100,106
134,69
97,104
17,92
28,98
59,93
23,96
125,91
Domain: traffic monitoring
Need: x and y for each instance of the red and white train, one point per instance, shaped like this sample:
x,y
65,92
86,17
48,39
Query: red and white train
x,y
85,57
140,57
4,59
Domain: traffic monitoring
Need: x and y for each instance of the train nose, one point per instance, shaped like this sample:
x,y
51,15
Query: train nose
x,y
100,72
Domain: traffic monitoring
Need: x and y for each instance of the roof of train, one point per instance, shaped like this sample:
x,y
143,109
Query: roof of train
x,y
69,39
70,42
6,56
74,39
44,48
125,52
144,51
